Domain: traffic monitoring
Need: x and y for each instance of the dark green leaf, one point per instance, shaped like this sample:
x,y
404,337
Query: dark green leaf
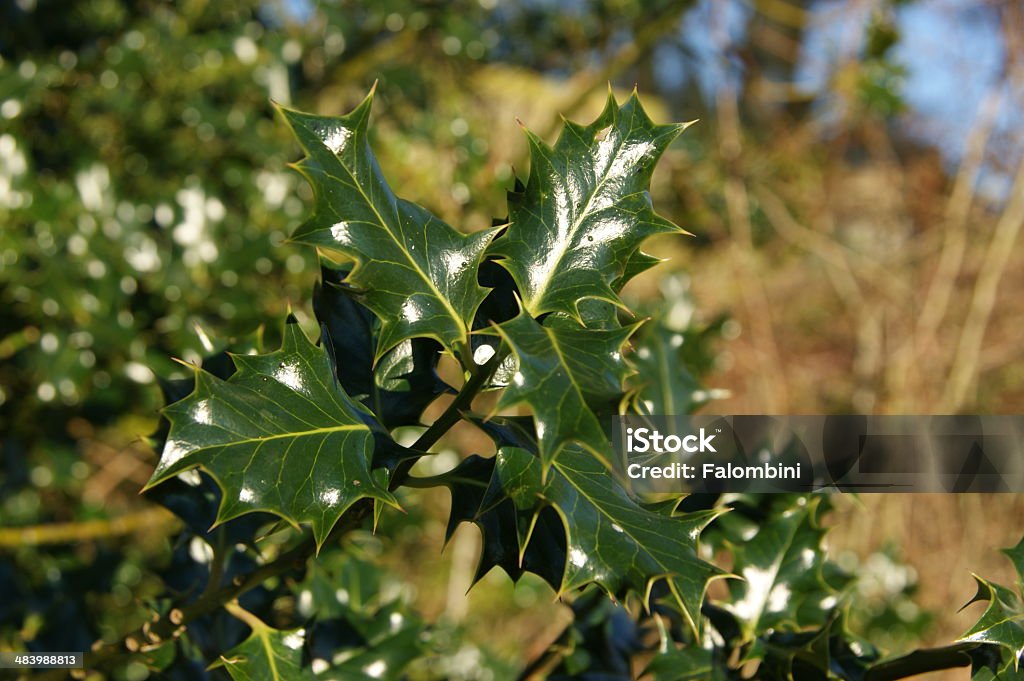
x,y
500,305
611,540
585,209
1002,623
989,666
358,632
1016,556
417,273
599,644
477,497
564,372
405,379
385,658
279,436
468,483
267,655
508,431
781,570
665,385
685,664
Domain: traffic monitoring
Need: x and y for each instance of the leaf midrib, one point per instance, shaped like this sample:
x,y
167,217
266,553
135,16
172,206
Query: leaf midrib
x,y
269,649
453,313
561,360
608,516
1019,619
563,245
292,435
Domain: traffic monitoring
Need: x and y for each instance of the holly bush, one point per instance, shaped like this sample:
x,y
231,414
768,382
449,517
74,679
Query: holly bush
x,y
280,463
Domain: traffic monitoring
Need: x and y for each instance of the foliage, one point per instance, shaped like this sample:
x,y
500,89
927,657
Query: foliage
x,y
281,435
1000,629
145,199
307,434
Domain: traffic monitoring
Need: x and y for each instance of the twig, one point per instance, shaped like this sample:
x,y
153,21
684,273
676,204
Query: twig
x,y
773,380
644,40
921,662
451,415
954,245
150,519
965,363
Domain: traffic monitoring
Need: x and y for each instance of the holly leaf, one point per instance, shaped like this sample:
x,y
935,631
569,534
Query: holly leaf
x,y
988,665
467,483
500,305
563,373
404,380
610,539
477,498
585,210
1002,623
267,655
417,273
385,658
507,431
664,384
685,664
1016,556
280,435
781,569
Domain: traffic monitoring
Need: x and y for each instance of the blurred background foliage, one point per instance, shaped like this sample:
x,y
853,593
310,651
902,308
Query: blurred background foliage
x,y
855,185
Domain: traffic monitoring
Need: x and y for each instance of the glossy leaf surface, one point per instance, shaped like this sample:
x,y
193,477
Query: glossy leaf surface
x,y
478,498
280,435
610,539
585,209
1002,623
417,273
685,664
564,374
782,586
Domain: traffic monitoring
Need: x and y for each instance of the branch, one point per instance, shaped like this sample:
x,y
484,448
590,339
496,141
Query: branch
x,y
451,416
921,662
172,624
150,520
645,39
965,363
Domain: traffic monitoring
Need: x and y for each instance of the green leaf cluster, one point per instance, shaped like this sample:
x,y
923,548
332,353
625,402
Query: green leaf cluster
x,y
1001,625
530,310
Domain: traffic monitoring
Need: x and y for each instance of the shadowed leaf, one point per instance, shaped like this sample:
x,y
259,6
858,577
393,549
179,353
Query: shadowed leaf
x,y
610,539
